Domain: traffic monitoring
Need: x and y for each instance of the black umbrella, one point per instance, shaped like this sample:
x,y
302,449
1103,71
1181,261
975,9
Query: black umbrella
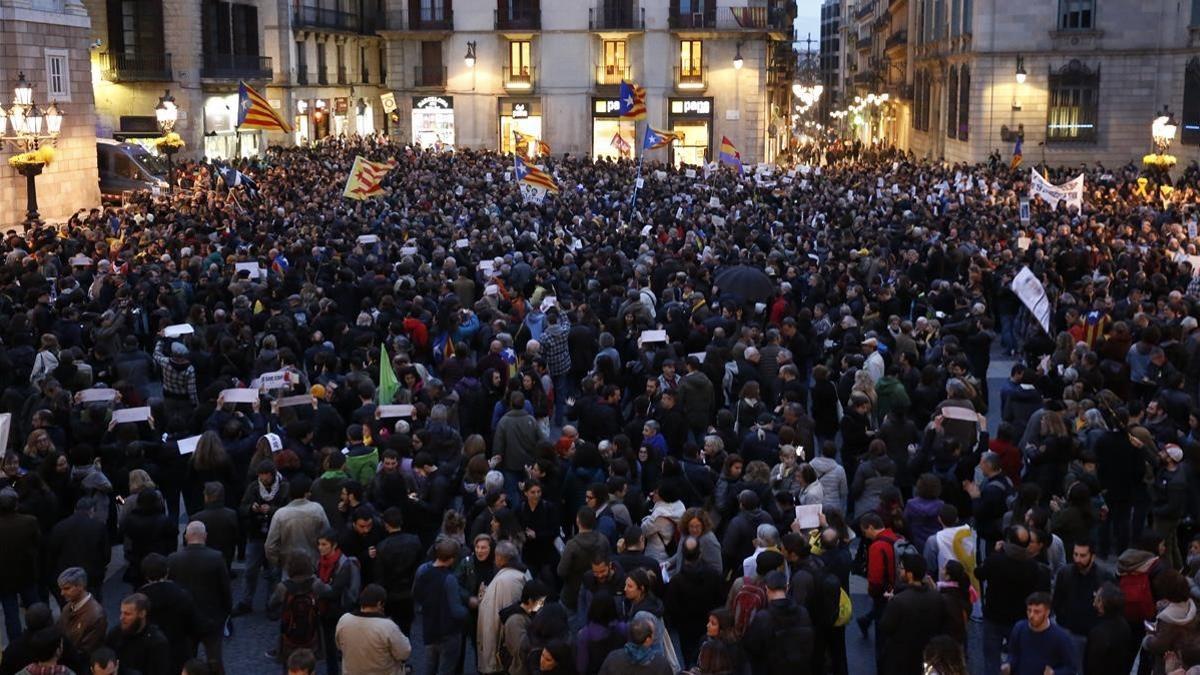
x,y
749,283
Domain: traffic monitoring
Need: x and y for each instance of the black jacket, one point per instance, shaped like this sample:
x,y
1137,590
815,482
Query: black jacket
x,y
1073,595
691,594
172,609
396,559
20,539
1011,577
911,619
201,571
145,652
1110,647
221,522
779,641
79,541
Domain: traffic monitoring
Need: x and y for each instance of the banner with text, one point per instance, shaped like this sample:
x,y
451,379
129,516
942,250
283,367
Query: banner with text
x,y
1071,191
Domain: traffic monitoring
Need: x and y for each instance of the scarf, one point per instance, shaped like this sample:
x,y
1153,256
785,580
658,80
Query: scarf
x,y
38,669
639,654
327,565
266,495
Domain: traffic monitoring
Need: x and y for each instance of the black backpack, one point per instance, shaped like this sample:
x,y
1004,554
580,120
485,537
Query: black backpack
x,y
791,644
299,621
824,599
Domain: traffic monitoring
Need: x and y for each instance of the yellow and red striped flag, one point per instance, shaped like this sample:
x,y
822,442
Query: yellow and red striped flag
x,y
527,173
254,112
366,178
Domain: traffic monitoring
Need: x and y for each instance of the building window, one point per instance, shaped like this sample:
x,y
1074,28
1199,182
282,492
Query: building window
x,y
691,58
322,72
1196,12
964,102
952,103
301,63
58,75
955,17
364,69
1074,103
1076,14
520,54
916,115
382,64
966,16
614,61
1191,104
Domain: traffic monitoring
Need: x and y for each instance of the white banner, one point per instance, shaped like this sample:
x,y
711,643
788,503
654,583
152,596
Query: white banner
x,y
1033,295
1071,191
532,193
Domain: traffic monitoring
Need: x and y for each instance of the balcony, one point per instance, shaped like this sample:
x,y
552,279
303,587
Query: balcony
x,y
864,42
612,75
135,67
341,74
897,39
518,18
695,78
305,16
693,20
236,66
617,15
429,77
517,81
415,18
865,11
758,19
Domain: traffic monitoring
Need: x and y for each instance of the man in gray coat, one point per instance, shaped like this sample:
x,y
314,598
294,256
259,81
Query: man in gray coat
x,y
516,438
297,525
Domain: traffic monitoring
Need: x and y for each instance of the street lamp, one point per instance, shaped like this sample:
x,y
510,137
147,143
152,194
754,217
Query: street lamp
x,y
1021,74
167,114
1162,130
737,57
26,120
469,59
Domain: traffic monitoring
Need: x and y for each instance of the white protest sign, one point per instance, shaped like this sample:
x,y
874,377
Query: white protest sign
x,y
129,415
714,203
808,516
1024,211
462,243
255,271
187,445
487,177
178,330
659,174
240,395
395,411
1031,292
718,221
690,173
294,401
368,239
640,182
651,337
408,250
1191,229
279,379
97,395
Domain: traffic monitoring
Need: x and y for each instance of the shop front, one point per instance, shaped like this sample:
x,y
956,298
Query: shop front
x,y
341,116
693,117
300,130
519,114
222,140
364,118
433,121
612,137
320,118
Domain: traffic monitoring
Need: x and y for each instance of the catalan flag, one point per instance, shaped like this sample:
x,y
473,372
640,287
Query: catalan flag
x,y
633,101
532,175
522,143
1016,160
730,155
366,178
655,138
254,112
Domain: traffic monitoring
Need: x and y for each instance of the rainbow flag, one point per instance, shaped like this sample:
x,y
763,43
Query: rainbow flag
x,y
633,101
254,112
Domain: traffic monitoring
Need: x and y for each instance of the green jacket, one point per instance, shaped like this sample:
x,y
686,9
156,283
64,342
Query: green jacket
x,y
362,468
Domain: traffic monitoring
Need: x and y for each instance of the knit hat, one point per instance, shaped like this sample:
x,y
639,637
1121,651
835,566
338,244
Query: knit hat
x,y
317,391
1174,452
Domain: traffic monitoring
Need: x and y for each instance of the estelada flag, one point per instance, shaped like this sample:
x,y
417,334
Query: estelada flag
x,y
656,138
254,112
632,101
527,173
366,178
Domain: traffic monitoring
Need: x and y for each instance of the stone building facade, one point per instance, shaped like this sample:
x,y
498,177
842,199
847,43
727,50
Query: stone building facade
x,y
45,39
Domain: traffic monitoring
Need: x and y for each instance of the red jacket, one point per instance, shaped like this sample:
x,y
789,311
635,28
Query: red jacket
x,y
1010,459
418,332
881,564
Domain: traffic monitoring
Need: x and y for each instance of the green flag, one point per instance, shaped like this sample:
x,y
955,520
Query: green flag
x,y
387,378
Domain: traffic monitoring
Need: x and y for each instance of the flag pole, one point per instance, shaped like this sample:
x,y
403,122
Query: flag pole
x,y
641,158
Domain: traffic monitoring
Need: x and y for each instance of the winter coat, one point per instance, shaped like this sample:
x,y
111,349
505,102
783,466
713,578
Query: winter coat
x,y
911,619
834,488
517,435
921,516
504,590
659,528
870,480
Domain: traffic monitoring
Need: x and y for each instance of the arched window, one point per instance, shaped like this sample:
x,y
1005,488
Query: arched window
x,y
964,102
952,103
1191,103
1074,103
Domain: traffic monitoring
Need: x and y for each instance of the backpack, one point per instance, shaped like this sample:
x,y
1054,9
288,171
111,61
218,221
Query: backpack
x,y
750,598
900,548
789,637
1139,601
350,595
298,620
824,601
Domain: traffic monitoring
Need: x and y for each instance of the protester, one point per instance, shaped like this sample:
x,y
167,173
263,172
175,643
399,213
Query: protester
x,y
370,642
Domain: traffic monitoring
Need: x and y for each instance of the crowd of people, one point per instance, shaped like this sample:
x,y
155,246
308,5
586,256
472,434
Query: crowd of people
x,y
589,437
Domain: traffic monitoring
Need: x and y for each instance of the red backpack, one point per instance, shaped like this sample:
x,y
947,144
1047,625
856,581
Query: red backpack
x,y
1139,601
750,598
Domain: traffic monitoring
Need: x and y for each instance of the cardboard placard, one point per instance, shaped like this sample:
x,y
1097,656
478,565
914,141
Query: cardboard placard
x,y
255,271
279,379
462,243
487,267
178,329
808,516
714,202
408,250
294,401
239,395
130,415
97,395
187,445
651,337
368,239
962,424
395,411
690,173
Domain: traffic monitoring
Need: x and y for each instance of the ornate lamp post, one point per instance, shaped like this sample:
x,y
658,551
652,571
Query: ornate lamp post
x,y
28,128
167,114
